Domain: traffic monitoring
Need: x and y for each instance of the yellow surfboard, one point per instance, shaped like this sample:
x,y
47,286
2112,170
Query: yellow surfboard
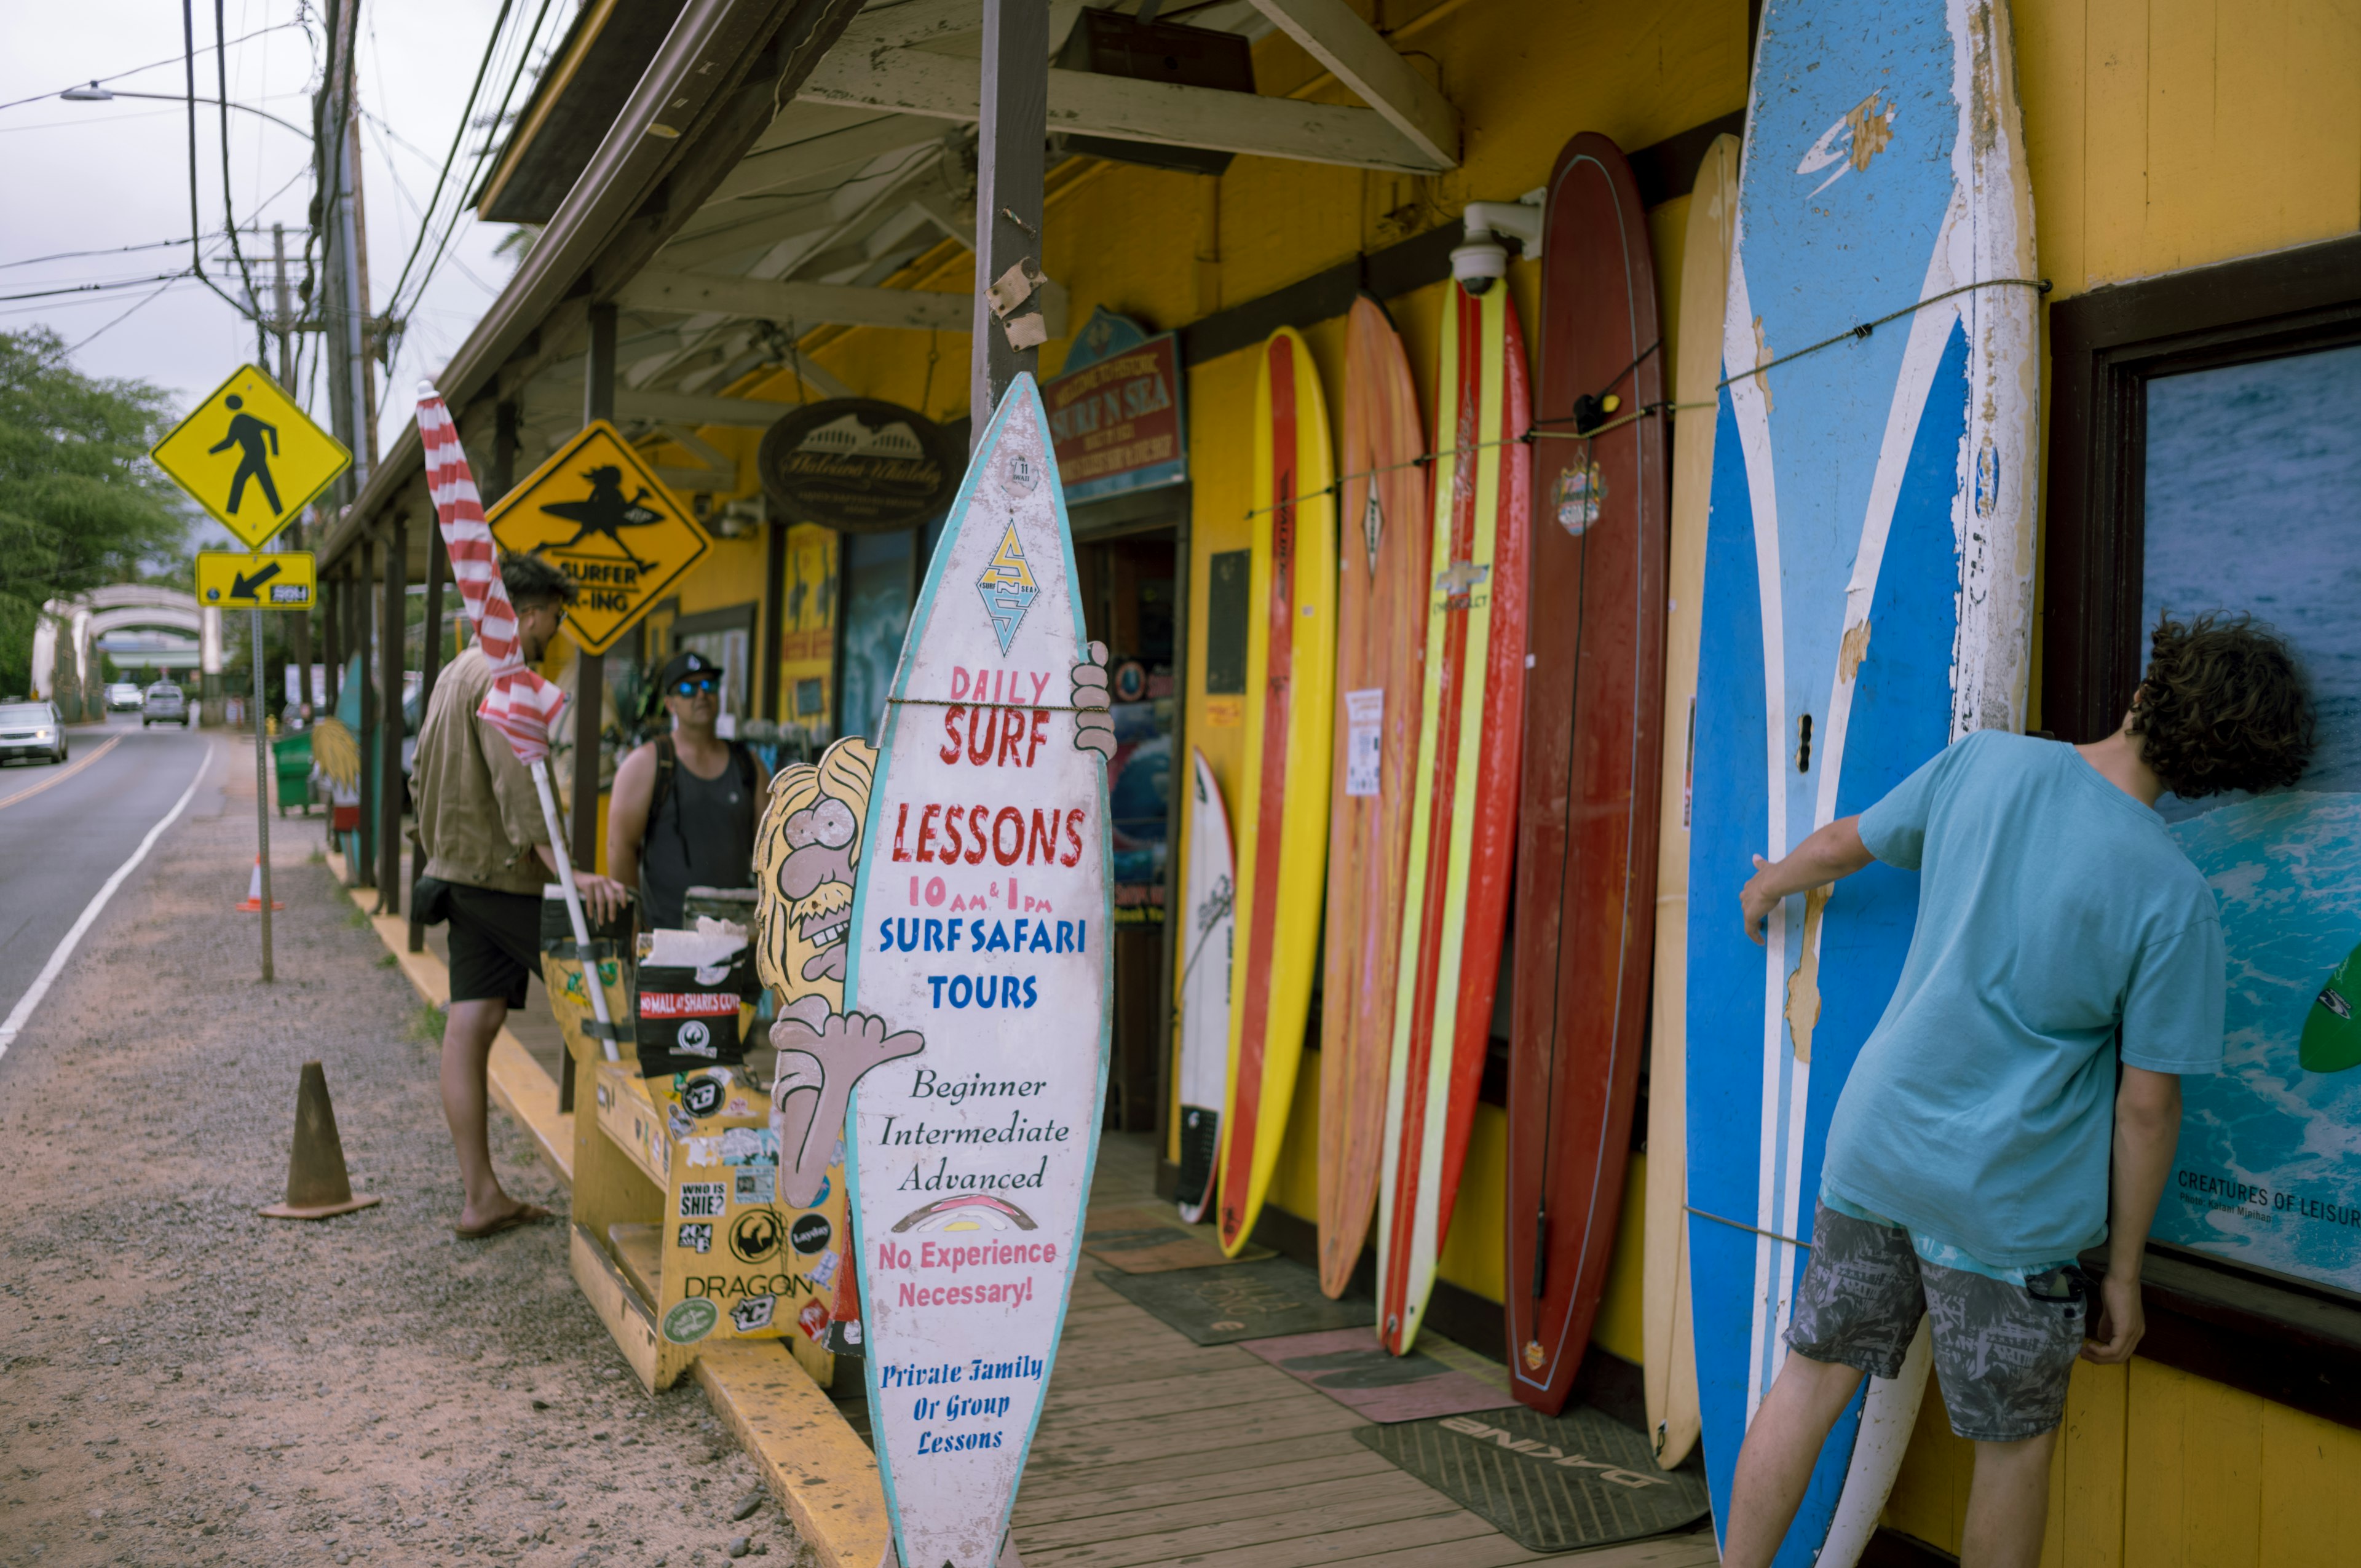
x,y
1281,822
1669,1351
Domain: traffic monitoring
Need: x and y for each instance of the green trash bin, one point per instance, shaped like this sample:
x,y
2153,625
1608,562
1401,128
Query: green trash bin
x,y
292,755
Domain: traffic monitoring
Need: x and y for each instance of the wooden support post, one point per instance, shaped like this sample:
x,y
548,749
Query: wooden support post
x,y
508,436
1010,131
299,636
590,686
332,604
364,864
430,666
774,610
392,657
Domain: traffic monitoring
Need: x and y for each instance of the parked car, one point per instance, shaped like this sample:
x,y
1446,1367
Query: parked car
x,y
165,703
123,697
31,731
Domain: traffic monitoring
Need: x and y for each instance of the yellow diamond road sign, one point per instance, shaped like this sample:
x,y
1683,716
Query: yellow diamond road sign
x,y
250,456
232,579
599,514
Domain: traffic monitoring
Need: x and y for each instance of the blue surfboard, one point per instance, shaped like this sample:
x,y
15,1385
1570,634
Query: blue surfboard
x,y
1867,600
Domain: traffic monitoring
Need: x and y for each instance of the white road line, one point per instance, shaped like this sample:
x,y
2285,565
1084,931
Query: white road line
x,y
15,1023
60,778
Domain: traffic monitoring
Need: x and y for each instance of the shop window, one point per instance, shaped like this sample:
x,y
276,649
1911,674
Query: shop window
x,y
876,618
1227,578
2206,458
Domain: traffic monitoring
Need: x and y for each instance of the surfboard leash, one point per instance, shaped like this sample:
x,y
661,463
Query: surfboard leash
x,y
1741,1225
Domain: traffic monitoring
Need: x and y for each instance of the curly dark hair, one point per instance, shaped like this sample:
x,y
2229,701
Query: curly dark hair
x,y
2223,707
532,580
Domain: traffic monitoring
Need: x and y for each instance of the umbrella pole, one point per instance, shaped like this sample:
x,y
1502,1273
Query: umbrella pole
x,y
591,982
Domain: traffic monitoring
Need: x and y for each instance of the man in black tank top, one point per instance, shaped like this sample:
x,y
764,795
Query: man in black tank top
x,y
685,804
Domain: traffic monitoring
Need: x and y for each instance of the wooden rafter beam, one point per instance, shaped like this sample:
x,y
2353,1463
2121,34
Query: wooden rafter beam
x,y
806,304
1366,64
912,82
691,410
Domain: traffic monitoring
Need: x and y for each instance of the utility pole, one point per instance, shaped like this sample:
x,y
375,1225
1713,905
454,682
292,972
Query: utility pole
x,y
282,307
343,314
1010,132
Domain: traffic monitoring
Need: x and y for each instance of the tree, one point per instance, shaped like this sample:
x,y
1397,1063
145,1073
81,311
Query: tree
x,y
81,505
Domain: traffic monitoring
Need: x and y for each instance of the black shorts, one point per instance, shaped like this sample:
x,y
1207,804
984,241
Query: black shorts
x,y
495,943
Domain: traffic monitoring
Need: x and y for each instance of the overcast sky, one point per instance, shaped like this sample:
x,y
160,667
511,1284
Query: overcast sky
x,y
90,177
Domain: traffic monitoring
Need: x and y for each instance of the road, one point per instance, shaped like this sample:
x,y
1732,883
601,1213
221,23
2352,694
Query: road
x,y
64,830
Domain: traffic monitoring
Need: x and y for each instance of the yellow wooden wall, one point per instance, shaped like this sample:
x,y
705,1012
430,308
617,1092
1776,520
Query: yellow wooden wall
x,y
2161,135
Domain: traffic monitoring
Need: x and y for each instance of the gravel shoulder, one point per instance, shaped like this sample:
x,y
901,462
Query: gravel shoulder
x,y
183,1381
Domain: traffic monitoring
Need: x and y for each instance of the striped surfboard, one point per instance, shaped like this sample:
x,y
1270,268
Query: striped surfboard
x,y
1868,591
1463,821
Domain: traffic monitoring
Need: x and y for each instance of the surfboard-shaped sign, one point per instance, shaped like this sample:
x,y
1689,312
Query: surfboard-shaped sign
x,y
977,1001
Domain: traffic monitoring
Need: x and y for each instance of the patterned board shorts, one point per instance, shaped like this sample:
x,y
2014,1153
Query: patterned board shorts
x,y
2003,1352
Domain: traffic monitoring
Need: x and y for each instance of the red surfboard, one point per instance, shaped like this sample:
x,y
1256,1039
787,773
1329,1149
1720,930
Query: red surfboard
x,y
1588,815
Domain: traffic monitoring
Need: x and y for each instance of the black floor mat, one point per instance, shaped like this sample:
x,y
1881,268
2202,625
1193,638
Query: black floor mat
x,y
1240,1301
1552,1483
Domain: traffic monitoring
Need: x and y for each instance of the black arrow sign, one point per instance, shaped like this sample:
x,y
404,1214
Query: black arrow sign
x,y
246,587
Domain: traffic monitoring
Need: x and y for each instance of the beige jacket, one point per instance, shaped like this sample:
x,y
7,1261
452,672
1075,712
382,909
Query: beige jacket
x,y
478,812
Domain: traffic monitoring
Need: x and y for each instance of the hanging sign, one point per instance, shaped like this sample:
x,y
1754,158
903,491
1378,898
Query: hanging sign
x,y
234,579
979,950
1116,411
250,456
858,466
598,512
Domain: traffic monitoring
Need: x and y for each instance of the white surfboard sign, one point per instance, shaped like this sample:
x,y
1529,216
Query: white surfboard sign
x,y
980,923
1205,942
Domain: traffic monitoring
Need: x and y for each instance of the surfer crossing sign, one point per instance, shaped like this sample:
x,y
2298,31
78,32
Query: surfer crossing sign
x,y
598,512
250,456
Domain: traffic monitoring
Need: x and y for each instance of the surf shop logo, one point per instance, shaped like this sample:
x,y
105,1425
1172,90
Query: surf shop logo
x,y
1456,584
1864,131
1007,587
1581,492
966,1211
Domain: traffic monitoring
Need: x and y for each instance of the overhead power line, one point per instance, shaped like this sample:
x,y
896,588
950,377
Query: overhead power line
x,y
152,65
458,139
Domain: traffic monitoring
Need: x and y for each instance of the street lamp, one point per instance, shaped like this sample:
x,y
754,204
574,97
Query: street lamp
x,y
94,93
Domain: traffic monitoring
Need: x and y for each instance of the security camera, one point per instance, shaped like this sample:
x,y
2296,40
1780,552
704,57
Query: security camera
x,y
1482,258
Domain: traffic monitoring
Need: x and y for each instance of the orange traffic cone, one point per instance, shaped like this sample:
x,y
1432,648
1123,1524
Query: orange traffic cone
x,y
317,1186
252,904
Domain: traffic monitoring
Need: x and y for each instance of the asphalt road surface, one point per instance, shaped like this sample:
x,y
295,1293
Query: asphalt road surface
x,y
64,830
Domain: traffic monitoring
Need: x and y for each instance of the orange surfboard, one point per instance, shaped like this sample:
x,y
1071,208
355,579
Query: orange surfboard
x,y
1386,530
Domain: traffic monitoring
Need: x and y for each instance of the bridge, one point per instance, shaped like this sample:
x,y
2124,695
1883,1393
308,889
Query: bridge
x,y
65,638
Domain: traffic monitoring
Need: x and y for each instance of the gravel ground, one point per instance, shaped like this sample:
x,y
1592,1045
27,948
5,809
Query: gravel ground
x,y
183,1382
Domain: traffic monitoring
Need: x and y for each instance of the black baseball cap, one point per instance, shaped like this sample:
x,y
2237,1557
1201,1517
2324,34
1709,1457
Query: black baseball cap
x,y
683,667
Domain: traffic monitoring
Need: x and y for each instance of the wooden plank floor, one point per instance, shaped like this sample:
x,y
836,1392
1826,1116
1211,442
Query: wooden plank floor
x,y
1154,1449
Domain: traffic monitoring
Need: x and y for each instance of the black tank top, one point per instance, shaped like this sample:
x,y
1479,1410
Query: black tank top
x,y
701,833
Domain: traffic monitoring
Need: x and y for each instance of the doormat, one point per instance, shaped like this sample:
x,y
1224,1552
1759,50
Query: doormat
x,y
1244,1300
1552,1483
1351,1367
1146,1241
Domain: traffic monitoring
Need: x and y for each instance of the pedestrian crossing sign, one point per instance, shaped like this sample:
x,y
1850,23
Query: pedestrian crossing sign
x,y
250,456
598,512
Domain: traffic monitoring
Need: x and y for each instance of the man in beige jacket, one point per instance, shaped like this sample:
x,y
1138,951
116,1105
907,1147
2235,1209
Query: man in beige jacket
x,y
487,856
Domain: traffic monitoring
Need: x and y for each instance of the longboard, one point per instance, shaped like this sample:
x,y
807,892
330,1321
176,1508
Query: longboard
x,y
1206,939
1868,592
980,937
1283,805
1668,1349
1386,533
1593,757
1463,818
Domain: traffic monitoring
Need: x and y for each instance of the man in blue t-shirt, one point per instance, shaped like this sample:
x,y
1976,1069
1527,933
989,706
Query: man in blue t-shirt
x,y
1968,1162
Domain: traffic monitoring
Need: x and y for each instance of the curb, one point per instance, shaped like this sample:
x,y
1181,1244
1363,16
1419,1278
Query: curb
x,y
824,1475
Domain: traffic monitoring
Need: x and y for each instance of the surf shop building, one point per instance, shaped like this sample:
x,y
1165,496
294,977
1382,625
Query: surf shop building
x,y
1428,578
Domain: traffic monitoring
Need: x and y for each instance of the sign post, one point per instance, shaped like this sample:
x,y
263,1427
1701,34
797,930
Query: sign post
x,y
253,459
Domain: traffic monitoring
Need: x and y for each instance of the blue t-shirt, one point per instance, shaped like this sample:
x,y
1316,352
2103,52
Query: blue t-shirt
x,y
2054,910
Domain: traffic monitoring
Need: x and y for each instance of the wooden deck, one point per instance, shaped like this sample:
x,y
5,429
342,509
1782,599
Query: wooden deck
x,y
1155,1449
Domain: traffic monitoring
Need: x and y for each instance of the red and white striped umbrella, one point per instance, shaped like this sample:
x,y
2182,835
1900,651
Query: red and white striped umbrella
x,y
520,703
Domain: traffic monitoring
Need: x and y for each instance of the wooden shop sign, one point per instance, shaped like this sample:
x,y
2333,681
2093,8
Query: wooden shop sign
x,y
858,466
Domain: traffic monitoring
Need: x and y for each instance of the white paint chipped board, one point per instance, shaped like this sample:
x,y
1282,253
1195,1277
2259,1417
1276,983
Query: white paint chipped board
x,y
980,927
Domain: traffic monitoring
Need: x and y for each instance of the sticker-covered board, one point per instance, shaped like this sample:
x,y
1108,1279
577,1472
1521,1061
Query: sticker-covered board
x,y
1206,944
1385,535
1868,597
1464,820
977,1001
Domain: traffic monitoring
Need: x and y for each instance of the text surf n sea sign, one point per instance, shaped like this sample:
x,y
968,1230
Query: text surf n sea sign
x,y
980,925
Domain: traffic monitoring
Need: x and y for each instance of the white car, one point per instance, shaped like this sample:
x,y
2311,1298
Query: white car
x,y
31,731
123,697
164,703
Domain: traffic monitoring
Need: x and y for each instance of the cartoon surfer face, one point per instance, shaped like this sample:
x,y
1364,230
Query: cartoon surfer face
x,y
806,857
